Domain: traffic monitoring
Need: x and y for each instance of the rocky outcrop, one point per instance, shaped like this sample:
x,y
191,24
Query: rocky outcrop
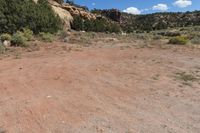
x,y
112,14
76,11
65,15
67,11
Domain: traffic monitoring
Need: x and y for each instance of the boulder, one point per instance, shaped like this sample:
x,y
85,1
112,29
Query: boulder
x,y
6,43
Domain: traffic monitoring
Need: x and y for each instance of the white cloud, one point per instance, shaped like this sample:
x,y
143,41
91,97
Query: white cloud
x,y
161,7
132,10
93,4
182,3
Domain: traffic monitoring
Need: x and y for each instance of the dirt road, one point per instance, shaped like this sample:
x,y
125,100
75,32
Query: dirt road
x,y
101,90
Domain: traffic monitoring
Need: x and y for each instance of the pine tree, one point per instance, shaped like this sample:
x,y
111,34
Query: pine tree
x,y
17,14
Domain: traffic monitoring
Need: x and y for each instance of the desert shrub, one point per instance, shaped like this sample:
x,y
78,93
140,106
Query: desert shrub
x,y
16,14
28,34
195,40
98,25
18,39
114,28
141,36
172,34
78,23
63,34
2,48
5,36
157,37
197,28
46,37
178,40
169,33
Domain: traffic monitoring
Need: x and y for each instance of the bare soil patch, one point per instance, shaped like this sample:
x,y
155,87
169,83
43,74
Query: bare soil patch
x,y
103,88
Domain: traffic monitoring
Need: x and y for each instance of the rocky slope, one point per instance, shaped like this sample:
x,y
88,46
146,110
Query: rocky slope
x,y
66,12
159,21
150,22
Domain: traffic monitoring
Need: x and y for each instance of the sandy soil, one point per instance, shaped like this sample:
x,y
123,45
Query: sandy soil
x,y
100,90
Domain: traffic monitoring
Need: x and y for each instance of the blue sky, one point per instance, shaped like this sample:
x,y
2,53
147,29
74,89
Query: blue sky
x,y
143,6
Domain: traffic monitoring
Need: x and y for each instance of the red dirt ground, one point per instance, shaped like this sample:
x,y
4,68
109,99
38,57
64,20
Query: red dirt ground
x,y
100,90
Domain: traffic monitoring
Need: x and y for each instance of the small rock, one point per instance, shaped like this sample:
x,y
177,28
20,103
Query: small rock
x,y
49,96
66,39
6,43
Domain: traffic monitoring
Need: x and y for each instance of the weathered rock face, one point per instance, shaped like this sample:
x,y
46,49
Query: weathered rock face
x,y
75,11
65,15
112,14
66,12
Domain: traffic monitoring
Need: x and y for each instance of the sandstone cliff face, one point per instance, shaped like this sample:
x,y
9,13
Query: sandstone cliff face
x,y
66,12
112,14
65,15
75,11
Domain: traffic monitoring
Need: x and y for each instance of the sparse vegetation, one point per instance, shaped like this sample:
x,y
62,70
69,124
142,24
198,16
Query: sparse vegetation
x,y
98,25
2,48
187,78
195,40
178,40
46,37
17,55
18,39
157,37
5,36
156,77
28,34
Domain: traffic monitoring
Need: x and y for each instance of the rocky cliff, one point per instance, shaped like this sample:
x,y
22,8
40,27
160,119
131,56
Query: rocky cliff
x,y
66,12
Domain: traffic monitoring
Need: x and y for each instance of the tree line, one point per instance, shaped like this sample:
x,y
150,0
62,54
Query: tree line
x,y
17,14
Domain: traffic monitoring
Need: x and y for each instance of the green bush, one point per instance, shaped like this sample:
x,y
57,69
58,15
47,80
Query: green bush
x,y
98,25
28,34
5,36
195,40
2,48
114,28
178,40
157,37
46,37
18,39
63,34
17,14
78,23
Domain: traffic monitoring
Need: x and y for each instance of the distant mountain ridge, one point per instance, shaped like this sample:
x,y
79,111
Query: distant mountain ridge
x,y
159,21
149,22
